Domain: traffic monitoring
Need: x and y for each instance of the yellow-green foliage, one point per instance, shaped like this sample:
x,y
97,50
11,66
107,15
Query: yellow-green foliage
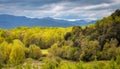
x,y
49,64
1,56
17,54
5,50
34,52
1,59
41,36
91,26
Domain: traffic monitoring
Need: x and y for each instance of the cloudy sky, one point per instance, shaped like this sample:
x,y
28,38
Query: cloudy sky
x,y
61,9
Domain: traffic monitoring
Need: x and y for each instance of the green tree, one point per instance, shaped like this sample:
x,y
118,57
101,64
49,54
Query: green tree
x,y
110,49
17,54
90,49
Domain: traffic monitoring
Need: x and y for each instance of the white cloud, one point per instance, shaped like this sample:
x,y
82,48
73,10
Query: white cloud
x,y
97,6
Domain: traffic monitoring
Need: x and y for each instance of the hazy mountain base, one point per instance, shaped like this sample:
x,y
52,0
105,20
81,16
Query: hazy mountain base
x,y
10,21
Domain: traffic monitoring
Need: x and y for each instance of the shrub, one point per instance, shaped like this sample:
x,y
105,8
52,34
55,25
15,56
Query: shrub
x,y
66,52
17,54
55,50
1,58
69,52
5,50
34,52
118,60
49,64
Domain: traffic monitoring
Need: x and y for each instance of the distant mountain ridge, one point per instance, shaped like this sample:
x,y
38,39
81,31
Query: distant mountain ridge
x,y
11,21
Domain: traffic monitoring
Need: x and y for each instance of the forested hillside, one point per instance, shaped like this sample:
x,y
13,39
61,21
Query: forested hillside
x,y
100,41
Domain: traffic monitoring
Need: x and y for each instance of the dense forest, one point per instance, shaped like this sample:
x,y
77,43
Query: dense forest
x,y
67,48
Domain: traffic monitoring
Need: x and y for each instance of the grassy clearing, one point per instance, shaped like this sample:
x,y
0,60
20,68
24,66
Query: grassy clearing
x,y
44,51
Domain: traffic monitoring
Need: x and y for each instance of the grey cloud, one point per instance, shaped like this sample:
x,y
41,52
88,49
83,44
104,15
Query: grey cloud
x,y
68,9
37,4
45,2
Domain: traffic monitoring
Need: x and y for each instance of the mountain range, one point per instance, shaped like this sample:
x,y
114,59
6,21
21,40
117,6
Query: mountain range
x,y
11,21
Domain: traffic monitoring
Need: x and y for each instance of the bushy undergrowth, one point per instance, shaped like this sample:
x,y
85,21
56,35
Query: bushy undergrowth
x,y
53,64
58,63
